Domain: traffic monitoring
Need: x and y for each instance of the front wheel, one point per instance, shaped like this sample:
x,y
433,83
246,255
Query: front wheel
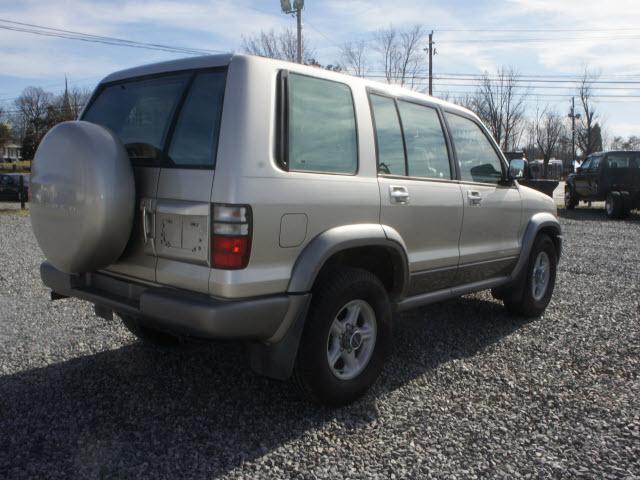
x,y
346,337
570,199
539,282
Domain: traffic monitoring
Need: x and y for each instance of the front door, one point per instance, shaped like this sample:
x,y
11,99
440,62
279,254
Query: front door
x,y
581,181
490,237
419,197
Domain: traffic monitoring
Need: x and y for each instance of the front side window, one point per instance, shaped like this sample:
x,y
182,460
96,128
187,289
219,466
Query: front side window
x,y
427,154
477,159
585,165
388,136
195,139
322,133
139,112
595,163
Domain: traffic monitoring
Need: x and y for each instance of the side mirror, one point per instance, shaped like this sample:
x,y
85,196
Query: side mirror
x,y
517,168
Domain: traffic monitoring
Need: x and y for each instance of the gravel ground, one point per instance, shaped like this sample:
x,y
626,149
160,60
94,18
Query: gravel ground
x,y
470,392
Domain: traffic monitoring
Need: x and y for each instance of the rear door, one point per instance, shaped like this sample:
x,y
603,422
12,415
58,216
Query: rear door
x,y
182,210
140,112
490,237
419,197
169,125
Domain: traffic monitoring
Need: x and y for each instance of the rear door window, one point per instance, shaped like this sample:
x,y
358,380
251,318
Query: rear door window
x,y
139,112
389,141
427,154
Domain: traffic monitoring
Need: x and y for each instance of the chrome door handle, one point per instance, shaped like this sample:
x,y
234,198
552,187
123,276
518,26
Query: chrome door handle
x,y
148,226
475,197
399,194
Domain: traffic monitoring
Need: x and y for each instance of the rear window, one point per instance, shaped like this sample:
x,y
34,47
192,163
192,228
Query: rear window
x,y
142,113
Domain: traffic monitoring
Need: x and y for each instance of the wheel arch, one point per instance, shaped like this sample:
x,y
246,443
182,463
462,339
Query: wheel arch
x,y
542,222
356,246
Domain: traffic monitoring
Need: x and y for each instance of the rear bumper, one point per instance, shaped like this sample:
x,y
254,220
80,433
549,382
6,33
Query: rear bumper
x,y
181,312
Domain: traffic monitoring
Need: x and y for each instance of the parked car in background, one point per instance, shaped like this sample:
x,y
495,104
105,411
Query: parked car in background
x,y
10,187
612,177
287,206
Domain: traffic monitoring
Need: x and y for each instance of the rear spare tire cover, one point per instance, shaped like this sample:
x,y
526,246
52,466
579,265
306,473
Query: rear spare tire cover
x,y
82,197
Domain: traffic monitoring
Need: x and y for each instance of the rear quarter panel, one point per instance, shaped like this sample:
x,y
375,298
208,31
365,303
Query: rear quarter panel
x,y
247,173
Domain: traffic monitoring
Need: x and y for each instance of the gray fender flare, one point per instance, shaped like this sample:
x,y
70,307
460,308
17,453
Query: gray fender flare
x,y
344,237
537,223
277,359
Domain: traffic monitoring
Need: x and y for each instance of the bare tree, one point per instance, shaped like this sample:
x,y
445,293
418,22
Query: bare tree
x,y
500,103
281,45
589,138
32,107
548,127
400,53
353,58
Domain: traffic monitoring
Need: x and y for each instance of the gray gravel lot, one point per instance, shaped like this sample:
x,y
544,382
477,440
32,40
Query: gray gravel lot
x,y
470,392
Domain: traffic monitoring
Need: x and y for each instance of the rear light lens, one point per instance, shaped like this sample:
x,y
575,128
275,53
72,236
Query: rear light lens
x,y
231,237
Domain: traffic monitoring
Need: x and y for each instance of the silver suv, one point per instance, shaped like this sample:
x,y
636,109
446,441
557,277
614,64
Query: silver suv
x,y
287,206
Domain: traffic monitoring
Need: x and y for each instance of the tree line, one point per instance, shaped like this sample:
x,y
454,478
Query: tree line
x,y
35,111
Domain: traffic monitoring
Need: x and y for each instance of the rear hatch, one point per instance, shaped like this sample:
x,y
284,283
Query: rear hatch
x,y
169,124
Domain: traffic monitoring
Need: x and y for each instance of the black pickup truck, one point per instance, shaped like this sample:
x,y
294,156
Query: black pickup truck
x,y
610,176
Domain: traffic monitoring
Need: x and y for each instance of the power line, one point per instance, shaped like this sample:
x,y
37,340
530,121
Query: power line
x,y
86,37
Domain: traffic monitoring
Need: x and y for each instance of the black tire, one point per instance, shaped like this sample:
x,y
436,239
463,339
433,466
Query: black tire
x,y
570,198
146,334
523,302
332,293
613,205
625,198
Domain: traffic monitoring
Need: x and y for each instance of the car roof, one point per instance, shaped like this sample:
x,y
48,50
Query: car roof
x,y
222,60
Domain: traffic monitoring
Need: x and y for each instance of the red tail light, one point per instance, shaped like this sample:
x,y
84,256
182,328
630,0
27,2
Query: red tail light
x,y
231,237
231,252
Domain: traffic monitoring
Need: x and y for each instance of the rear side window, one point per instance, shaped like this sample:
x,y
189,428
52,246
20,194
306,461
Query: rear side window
x,y
195,140
388,136
477,158
322,133
139,113
623,160
427,154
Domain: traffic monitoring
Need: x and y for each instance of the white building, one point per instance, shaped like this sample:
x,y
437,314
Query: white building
x,y
11,152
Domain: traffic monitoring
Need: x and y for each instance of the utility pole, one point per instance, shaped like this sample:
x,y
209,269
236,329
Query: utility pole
x,y
431,63
299,28
298,5
573,115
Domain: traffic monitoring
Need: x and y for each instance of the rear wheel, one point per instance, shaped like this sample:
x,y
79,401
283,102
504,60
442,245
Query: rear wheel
x,y
535,293
613,205
626,204
346,337
146,334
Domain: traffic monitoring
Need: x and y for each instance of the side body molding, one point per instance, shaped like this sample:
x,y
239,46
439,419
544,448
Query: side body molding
x,y
344,237
539,221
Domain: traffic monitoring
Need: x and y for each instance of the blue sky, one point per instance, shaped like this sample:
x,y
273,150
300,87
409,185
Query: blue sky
x,y
469,35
